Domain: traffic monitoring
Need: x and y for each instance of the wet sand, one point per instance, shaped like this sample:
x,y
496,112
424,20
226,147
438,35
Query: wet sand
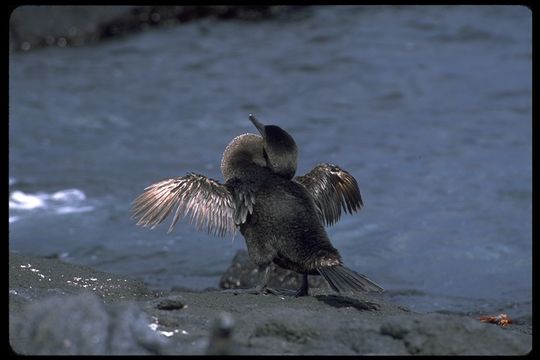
x,y
61,308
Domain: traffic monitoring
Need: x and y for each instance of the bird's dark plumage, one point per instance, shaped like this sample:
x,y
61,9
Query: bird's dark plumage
x,y
332,188
279,149
281,217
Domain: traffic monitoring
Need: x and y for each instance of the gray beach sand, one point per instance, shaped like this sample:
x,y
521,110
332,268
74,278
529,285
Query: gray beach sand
x,y
61,308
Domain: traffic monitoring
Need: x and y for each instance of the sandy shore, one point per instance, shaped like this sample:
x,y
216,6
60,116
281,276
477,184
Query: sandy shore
x,y
61,308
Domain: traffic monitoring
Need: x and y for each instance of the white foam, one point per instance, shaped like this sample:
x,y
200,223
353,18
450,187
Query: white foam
x,y
60,202
20,200
68,195
73,209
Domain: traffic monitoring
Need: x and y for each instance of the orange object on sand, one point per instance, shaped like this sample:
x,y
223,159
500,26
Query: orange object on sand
x,y
501,319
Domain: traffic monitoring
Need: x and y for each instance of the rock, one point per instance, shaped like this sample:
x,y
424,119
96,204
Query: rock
x,y
38,26
91,321
82,325
435,334
171,303
34,27
242,273
34,278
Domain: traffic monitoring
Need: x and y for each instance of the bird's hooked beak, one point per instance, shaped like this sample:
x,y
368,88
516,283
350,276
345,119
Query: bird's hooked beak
x,y
257,124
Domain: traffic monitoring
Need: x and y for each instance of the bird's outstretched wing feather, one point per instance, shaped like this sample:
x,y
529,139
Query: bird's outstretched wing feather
x,y
244,199
207,202
332,188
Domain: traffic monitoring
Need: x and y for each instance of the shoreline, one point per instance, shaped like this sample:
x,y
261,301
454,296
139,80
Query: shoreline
x,y
50,299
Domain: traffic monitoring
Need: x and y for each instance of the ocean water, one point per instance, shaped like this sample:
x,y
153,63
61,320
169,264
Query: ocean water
x,y
429,107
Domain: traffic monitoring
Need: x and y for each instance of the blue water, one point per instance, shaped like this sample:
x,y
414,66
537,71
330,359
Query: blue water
x,y
429,107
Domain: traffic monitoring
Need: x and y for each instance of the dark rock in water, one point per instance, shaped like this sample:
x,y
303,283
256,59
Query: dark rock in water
x,y
39,26
243,273
82,325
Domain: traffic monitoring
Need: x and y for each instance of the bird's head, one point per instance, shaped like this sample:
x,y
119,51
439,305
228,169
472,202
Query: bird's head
x,y
279,148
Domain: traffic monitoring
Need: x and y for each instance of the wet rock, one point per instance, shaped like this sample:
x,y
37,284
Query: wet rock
x,y
364,338
434,334
82,325
291,332
34,27
174,303
39,26
216,322
34,278
243,273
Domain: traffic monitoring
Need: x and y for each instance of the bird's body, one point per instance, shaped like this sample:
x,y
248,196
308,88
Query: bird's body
x,y
281,217
284,226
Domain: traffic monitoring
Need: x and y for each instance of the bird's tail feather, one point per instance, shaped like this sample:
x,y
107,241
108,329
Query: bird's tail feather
x,y
341,278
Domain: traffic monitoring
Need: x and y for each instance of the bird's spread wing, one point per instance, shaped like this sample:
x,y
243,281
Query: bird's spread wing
x,y
244,199
332,188
209,204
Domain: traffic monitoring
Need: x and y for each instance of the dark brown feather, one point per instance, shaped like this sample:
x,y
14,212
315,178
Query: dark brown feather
x,y
332,189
